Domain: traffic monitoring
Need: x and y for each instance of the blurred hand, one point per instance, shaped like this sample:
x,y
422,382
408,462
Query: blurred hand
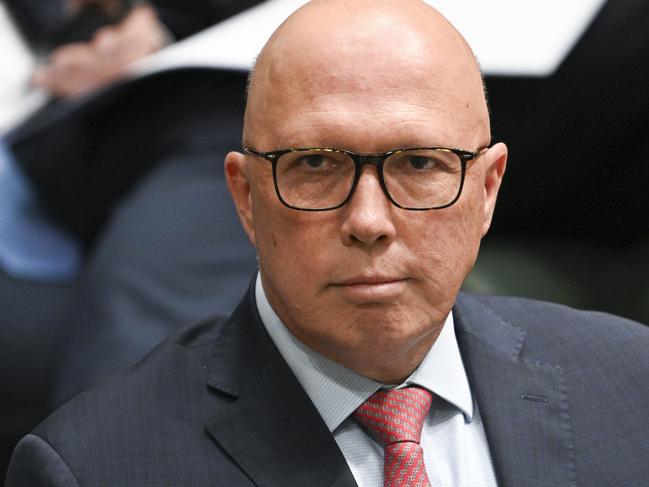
x,y
76,69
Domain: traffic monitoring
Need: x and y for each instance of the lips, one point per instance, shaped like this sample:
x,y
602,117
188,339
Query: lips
x,y
371,288
369,280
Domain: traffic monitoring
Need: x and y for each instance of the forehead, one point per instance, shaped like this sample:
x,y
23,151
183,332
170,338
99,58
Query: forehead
x,y
347,112
362,123
355,90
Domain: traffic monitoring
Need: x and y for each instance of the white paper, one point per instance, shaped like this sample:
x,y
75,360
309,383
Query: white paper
x,y
18,99
510,37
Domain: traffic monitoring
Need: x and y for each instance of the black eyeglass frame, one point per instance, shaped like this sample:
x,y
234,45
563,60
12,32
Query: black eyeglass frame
x,y
376,160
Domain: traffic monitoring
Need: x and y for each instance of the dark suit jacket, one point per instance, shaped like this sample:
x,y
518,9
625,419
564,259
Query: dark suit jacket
x,y
563,395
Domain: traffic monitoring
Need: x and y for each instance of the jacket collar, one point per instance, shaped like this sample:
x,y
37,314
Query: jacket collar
x,y
266,422
523,402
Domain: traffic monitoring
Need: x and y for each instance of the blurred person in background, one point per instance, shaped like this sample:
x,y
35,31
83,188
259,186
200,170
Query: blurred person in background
x,y
95,40
112,204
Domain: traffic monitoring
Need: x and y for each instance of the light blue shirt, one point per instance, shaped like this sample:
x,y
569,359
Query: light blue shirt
x,y
31,246
456,453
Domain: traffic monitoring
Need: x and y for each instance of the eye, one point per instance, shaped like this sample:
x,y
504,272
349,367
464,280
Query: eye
x,y
318,162
313,161
422,162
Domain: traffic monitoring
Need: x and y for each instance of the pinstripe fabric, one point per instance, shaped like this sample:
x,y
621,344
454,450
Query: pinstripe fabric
x,y
395,418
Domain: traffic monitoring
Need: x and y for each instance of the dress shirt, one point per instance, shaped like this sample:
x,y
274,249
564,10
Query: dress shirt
x,y
455,447
31,247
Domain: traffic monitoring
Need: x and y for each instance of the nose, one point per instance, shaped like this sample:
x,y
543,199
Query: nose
x,y
367,217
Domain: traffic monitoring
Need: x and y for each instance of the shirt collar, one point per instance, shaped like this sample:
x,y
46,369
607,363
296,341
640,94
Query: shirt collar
x,y
337,391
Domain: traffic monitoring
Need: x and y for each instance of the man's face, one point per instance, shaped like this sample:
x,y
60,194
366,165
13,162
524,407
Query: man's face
x,y
369,278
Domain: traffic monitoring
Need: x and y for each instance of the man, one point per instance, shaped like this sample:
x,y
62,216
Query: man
x,y
295,388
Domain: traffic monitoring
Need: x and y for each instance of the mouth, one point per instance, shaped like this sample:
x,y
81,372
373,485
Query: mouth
x,y
369,280
375,288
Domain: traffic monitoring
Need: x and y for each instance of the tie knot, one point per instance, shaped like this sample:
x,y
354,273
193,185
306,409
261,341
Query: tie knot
x,y
395,415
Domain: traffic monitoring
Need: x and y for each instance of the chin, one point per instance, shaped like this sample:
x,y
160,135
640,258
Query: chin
x,y
395,332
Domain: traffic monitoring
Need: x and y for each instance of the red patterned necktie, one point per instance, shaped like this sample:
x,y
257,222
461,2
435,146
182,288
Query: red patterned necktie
x,y
395,418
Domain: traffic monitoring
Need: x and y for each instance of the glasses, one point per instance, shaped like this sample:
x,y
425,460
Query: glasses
x,y
320,179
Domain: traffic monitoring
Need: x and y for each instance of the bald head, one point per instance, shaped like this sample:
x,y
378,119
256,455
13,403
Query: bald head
x,y
367,284
364,50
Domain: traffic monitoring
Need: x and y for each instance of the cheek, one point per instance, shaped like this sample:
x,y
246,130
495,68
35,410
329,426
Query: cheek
x,y
291,247
447,245
468,232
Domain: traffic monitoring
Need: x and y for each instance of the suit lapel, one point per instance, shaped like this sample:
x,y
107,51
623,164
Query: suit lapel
x,y
266,422
269,426
523,403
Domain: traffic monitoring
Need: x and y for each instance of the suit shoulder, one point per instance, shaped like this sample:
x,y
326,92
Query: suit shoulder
x,y
531,314
36,463
565,333
145,425
199,334
176,367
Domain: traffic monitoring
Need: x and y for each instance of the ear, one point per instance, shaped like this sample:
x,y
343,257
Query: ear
x,y
236,175
496,161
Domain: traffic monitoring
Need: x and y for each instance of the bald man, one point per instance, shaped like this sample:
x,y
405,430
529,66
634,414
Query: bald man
x,y
366,182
